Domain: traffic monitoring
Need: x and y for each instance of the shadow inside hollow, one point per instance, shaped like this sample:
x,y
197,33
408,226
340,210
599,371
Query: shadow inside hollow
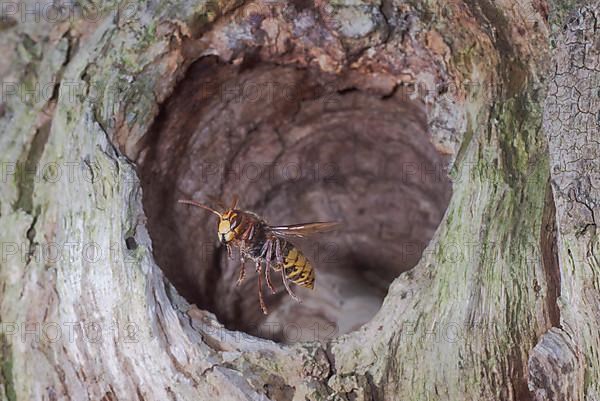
x,y
297,147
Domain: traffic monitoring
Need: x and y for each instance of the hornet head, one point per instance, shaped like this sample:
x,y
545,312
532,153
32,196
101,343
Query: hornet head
x,y
229,220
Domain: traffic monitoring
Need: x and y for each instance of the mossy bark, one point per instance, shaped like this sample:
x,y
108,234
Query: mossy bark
x,y
475,319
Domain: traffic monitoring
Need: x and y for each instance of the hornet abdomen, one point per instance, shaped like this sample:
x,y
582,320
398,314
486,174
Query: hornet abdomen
x,y
297,267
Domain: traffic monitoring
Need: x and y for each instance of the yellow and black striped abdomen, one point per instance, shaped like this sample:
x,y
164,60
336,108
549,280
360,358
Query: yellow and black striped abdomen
x,y
298,269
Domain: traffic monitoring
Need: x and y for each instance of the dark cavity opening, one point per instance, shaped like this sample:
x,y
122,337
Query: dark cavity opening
x,y
297,145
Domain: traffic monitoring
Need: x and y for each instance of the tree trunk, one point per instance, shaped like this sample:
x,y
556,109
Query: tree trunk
x,y
457,142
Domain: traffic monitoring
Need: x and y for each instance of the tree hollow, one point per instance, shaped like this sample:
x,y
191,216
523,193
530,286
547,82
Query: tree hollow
x,y
297,145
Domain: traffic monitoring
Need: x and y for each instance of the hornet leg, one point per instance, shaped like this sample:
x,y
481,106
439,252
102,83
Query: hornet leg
x,y
260,294
283,276
242,271
266,252
268,268
246,234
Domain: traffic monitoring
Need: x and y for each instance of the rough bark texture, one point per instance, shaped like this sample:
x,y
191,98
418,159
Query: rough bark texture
x,y
565,363
502,303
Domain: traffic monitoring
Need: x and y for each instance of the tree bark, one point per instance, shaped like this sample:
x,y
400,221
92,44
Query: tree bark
x,y
502,303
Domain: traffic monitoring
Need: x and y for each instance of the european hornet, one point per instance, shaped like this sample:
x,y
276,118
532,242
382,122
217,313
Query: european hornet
x,y
261,242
